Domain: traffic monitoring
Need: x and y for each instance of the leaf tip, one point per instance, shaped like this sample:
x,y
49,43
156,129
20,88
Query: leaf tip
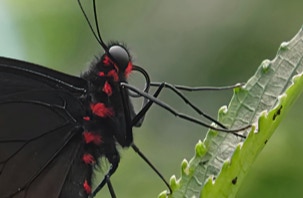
x,y
223,110
185,167
162,194
284,46
174,183
200,149
265,65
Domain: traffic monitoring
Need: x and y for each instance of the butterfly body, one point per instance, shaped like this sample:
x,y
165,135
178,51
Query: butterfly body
x,y
55,127
65,124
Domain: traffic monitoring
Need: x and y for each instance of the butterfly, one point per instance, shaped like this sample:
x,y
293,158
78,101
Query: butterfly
x,y
55,127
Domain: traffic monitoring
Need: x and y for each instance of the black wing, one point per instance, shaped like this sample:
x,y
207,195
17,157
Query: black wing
x,y
40,129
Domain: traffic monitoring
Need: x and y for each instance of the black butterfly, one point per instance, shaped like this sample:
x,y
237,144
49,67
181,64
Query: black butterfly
x,y
54,127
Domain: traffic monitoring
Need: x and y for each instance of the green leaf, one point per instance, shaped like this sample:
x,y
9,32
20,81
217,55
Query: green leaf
x,y
222,160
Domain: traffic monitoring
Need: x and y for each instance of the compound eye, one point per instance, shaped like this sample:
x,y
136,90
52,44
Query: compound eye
x,y
120,55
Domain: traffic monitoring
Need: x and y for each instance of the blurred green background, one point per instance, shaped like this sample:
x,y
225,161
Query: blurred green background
x,y
207,42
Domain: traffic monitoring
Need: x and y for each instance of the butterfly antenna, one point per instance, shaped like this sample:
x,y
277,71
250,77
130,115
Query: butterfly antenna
x,y
97,23
96,33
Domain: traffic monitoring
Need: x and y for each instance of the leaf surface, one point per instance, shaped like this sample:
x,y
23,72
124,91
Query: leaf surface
x,y
222,160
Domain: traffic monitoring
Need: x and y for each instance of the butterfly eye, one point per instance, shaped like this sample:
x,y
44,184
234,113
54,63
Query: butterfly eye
x,y
120,55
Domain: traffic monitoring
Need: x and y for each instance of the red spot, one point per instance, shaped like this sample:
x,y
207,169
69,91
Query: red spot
x,y
113,73
106,60
101,74
90,137
101,110
88,158
107,89
86,118
128,69
87,187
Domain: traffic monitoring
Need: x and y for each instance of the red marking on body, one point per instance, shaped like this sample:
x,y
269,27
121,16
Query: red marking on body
x,y
88,158
107,61
86,118
101,74
101,110
87,187
90,137
113,73
128,69
107,89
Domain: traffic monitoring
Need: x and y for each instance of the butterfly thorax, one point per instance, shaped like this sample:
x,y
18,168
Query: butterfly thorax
x,y
104,99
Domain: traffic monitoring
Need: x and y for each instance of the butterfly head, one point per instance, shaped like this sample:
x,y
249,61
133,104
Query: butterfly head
x,y
117,61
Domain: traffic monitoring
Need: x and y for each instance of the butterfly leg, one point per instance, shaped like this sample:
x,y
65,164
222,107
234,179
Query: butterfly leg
x,y
136,149
129,134
204,88
110,188
181,115
114,160
177,90
139,117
